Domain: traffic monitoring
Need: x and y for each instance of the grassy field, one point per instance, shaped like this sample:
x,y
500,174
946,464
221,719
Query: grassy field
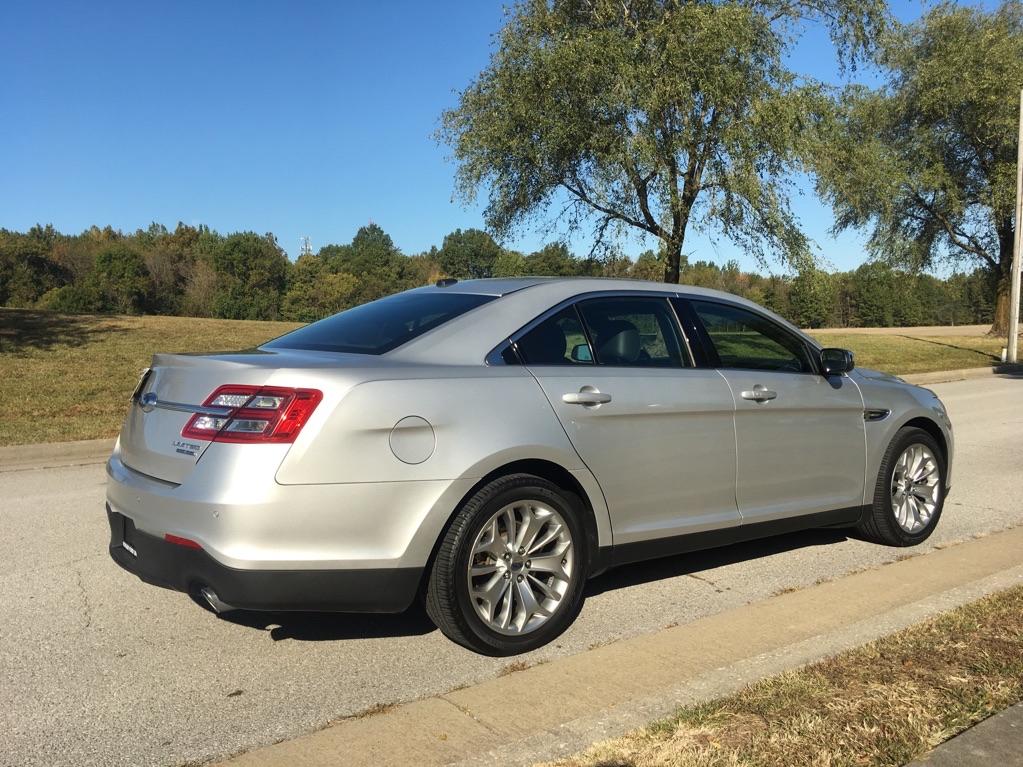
x,y
65,377
883,704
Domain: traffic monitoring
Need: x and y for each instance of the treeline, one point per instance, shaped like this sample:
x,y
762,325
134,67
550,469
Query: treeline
x,y
196,271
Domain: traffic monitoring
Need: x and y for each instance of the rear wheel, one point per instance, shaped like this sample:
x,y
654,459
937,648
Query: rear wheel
x,y
910,490
509,573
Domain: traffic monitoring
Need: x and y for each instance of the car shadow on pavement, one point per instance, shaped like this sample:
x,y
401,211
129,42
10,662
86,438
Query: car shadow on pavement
x,y
321,627
708,559
326,627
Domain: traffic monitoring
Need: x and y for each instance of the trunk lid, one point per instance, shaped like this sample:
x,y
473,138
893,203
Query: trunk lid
x,y
151,441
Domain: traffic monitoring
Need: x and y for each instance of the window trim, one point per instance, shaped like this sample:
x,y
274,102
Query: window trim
x,y
494,356
712,358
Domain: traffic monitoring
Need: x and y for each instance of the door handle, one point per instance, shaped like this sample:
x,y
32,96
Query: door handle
x,y
587,397
760,393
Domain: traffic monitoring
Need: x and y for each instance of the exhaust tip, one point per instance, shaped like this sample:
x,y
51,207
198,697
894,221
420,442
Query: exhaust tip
x,y
211,599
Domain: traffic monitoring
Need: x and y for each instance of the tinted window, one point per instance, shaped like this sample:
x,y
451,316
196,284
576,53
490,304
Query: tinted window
x,y
379,326
632,332
744,339
558,340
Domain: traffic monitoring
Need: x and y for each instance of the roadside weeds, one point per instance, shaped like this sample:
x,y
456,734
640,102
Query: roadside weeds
x,y
885,703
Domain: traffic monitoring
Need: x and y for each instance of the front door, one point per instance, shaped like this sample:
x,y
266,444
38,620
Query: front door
x,y
800,435
656,432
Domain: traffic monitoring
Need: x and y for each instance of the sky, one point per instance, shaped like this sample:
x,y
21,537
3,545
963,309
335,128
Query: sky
x,y
301,119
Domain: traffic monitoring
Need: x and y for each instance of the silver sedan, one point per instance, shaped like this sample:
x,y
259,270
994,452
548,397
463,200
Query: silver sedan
x,y
488,445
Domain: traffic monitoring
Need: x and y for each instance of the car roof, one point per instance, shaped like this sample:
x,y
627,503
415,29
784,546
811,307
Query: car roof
x,y
468,339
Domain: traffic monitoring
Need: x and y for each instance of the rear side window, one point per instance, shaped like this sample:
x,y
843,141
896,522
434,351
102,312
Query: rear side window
x,y
558,340
380,326
633,332
745,340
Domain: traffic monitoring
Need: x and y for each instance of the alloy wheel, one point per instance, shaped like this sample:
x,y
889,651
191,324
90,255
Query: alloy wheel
x,y
521,566
916,484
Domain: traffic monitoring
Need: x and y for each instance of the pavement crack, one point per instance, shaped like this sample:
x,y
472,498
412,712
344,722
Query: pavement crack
x,y
465,710
86,604
708,581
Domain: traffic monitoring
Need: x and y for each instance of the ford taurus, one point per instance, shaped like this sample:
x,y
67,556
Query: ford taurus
x,y
488,445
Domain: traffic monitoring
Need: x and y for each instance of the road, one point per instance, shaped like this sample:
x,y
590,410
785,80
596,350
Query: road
x,y
97,668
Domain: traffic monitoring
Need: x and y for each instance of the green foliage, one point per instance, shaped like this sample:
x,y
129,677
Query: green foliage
x,y
251,276
469,254
652,114
812,298
120,281
927,161
314,291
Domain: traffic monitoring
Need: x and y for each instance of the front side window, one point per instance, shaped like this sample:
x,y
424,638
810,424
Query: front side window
x,y
744,339
380,326
632,332
558,340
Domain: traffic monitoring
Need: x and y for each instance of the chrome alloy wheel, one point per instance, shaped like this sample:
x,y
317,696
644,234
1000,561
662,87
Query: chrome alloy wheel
x,y
915,488
521,566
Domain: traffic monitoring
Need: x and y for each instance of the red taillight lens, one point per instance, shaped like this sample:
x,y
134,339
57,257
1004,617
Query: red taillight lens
x,y
257,414
188,543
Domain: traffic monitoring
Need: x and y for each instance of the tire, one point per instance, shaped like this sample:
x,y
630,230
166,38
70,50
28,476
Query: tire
x,y
881,523
483,522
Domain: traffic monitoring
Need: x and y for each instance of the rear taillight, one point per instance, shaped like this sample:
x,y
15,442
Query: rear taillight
x,y
257,414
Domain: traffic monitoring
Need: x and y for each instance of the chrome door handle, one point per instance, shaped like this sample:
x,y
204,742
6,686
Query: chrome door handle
x,y
760,394
586,398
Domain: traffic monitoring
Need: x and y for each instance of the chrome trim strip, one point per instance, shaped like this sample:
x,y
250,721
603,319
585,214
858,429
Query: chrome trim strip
x,y
149,401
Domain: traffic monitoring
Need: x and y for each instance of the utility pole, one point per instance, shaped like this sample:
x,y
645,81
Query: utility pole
x,y
1011,349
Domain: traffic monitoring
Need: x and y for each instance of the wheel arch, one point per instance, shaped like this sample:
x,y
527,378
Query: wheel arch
x,y
591,501
931,427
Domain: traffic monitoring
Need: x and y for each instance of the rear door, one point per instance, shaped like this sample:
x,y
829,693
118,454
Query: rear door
x,y
655,431
800,435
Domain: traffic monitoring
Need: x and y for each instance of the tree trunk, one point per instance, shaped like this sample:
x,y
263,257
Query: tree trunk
x,y
1000,326
672,260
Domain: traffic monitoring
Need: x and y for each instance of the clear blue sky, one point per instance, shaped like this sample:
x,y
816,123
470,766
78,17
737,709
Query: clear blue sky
x,y
307,118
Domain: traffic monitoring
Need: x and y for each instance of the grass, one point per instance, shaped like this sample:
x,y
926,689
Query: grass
x,y
902,353
886,703
67,377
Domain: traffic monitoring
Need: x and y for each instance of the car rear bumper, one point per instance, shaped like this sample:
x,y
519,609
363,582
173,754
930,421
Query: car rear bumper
x,y
169,565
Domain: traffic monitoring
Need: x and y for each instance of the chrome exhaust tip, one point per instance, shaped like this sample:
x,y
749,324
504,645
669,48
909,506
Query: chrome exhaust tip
x,y
211,598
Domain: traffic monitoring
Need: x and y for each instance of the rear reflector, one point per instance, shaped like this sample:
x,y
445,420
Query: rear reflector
x,y
266,414
188,543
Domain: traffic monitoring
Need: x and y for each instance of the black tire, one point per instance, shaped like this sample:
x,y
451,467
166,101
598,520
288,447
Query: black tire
x,y
879,522
447,598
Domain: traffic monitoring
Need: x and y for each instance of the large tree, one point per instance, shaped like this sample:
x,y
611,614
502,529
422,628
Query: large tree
x,y
650,114
927,162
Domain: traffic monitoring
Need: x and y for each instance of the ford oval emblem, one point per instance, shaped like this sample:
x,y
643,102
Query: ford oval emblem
x,y
148,401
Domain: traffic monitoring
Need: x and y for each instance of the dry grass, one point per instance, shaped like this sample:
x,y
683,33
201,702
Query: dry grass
x,y
65,377
883,704
902,353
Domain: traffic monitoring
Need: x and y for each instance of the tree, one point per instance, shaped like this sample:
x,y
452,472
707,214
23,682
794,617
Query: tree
x,y
553,260
649,114
468,254
315,292
372,257
927,162
120,280
252,274
811,298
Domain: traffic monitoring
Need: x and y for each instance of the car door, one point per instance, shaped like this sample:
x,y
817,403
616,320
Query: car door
x,y
800,435
655,431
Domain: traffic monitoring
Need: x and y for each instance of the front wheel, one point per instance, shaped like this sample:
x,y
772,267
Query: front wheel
x,y
910,490
509,573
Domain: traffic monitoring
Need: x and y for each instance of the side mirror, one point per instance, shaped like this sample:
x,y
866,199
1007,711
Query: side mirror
x,y
836,361
581,353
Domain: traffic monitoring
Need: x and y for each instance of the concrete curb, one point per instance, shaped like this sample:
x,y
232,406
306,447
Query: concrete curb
x,y
572,702
50,455
946,376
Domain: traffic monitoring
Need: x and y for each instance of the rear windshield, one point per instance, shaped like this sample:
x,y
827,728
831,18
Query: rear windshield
x,y
379,326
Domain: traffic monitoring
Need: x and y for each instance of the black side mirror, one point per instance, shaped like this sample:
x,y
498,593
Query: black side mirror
x,y
836,361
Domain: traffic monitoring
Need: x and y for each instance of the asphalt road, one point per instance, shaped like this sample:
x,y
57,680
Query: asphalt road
x,y
97,668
